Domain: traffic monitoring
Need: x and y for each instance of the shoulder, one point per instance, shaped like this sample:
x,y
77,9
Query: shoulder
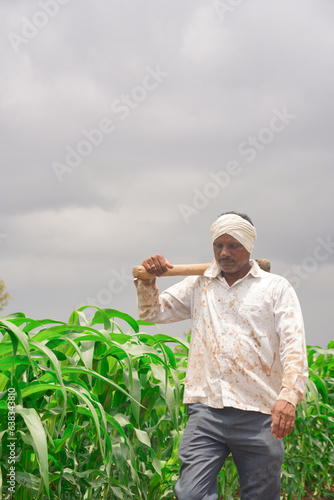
x,y
273,281
265,276
273,278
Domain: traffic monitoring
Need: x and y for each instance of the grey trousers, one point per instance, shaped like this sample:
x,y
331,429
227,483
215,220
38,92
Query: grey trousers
x,y
211,434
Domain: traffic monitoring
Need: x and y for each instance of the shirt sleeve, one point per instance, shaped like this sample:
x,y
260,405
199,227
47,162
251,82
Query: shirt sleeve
x,y
174,304
290,328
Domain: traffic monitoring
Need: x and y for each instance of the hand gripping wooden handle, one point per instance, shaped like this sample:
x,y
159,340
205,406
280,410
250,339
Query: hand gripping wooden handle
x,y
178,270
187,270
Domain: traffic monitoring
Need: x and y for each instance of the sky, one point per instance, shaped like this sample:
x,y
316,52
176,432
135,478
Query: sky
x,y
127,127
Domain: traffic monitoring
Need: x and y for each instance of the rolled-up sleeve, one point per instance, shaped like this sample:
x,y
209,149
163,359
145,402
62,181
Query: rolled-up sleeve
x,y
290,328
174,304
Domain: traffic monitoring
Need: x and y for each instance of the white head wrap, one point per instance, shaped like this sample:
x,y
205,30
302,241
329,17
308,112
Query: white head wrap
x,y
235,226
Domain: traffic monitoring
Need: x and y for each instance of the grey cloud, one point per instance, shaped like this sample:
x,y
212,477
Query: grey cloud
x,y
122,201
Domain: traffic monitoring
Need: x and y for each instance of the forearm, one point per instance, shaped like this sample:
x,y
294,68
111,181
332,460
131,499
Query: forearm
x,y
147,299
293,356
172,305
295,371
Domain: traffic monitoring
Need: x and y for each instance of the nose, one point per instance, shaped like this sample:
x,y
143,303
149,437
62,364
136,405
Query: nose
x,y
224,253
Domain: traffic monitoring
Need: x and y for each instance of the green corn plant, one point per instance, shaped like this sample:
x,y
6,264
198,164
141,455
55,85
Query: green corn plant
x,y
99,414
98,411
309,450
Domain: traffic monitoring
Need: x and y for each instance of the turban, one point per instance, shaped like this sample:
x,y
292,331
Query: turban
x,y
235,226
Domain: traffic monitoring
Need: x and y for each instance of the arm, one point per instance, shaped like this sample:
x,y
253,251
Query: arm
x,y
172,305
290,328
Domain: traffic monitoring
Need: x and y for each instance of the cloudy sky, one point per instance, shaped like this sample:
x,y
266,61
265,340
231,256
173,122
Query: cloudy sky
x,y
127,127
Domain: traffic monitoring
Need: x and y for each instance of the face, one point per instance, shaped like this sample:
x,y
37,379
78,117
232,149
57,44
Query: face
x,y
231,256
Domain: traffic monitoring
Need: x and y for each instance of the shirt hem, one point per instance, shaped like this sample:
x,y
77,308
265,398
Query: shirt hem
x,y
230,404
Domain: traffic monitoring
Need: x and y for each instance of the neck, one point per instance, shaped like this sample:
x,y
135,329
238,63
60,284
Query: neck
x,y
233,277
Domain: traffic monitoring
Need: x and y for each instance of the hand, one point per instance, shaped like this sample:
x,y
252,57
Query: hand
x,y
283,415
157,265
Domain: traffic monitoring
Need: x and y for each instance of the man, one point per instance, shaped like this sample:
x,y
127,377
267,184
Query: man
x,y
247,363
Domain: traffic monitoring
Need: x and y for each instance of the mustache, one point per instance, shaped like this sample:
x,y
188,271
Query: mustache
x,y
226,260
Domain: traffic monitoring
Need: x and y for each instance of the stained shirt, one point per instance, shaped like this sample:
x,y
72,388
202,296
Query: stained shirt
x,y
247,346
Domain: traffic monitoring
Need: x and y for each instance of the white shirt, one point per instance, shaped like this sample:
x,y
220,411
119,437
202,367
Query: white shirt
x,y
247,343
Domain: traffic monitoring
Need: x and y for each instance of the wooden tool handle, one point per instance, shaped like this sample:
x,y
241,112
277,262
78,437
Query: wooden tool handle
x,y
178,270
187,270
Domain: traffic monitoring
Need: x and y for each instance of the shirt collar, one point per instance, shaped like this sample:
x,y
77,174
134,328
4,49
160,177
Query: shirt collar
x,y
214,271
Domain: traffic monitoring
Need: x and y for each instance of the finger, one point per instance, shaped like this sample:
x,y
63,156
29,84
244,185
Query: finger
x,y
281,428
168,264
286,425
158,266
274,424
289,425
149,265
162,263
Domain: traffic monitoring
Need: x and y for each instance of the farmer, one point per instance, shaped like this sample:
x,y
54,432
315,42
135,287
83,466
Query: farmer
x,y
247,363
